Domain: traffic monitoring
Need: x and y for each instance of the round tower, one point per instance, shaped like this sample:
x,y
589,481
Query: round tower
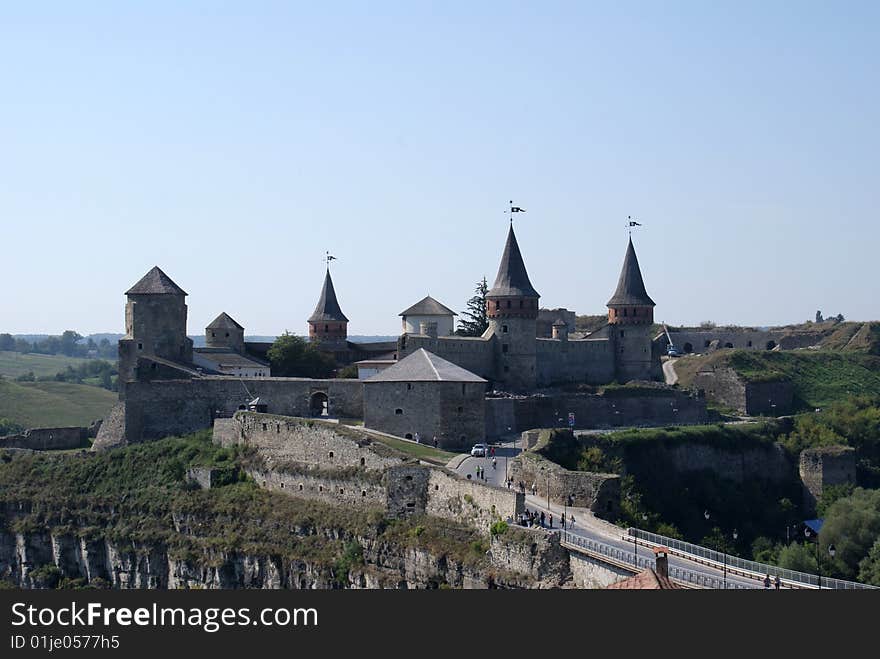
x,y
630,317
512,311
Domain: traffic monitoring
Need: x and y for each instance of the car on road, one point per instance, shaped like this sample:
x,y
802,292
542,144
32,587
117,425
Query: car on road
x,y
479,450
672,351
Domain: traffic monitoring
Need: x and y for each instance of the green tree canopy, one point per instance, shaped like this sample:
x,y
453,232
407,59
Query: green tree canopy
x,y
852,525
474,321
293,356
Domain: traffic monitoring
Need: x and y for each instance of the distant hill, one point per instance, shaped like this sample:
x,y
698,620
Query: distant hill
x,y
40,404
13,364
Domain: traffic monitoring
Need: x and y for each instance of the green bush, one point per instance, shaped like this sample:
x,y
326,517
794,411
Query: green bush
x,y
498,528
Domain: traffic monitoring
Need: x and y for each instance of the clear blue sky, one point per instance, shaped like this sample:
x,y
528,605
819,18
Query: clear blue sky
x,y
233,143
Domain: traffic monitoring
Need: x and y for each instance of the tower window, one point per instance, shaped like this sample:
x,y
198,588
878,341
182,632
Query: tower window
x,y
497,304
508,304
140,346
520,304
227,335
462,388
408,386
504,347
621,333
460,409
624,312
398,411
326,328
213,335
504,329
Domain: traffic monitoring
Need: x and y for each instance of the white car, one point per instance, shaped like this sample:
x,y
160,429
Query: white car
x,y
479,450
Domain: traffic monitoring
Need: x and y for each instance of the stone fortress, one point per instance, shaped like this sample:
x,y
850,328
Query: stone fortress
x,y
429,382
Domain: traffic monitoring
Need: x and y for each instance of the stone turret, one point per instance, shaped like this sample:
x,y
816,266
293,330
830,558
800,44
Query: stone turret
x,y
155,324
630,316
328,324
560,330
512,309
224,332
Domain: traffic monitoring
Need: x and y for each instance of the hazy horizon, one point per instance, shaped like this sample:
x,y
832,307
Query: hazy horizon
x,y
232,147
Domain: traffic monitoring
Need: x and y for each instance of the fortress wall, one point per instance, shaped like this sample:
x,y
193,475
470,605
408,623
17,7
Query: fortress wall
x,y
161,408
473,503
348,490
473,354
589,361
47,439
652,408
824,466
598,492
723,385
314,443
701,341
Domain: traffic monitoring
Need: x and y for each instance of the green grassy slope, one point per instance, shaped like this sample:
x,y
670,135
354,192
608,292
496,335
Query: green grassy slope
x,y
13,364
38,404
820,378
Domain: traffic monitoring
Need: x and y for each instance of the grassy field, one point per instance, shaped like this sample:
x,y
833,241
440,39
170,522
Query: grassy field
x,y
13,364
819,378
40,404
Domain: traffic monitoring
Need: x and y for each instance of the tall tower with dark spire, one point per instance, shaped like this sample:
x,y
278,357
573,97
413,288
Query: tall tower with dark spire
x,y
512,310
630,317
328,325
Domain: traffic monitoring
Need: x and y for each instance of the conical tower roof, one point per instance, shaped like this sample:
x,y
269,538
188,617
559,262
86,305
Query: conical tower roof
x,y
224,321
328,307
630,287
512,279
155,282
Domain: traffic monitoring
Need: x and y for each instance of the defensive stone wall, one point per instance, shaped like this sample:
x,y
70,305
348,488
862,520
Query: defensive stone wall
x,y
620,407
824,466
474,354
477,504
598,492
723,385
323,461
590,361
47,439
162,408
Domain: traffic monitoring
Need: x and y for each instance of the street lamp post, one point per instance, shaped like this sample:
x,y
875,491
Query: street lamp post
x,y
832,550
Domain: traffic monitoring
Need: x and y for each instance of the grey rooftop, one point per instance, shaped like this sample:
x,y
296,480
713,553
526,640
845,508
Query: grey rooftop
x,y
630,286
155,282
424,366
428,306
512,279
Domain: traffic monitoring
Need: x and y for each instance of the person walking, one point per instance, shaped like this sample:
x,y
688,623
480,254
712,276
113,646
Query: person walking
x,y
777,582
551,520
571,522
542,518
417,438
767,581
563,520
493,462
435,441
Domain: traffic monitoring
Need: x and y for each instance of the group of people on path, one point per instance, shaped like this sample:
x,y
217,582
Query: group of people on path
x,y
531,518
776,582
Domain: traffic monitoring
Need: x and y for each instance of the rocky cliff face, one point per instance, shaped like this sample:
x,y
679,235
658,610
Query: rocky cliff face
x,y
42,559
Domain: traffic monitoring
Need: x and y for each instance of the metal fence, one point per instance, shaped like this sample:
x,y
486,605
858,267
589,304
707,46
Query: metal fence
x,y
758,569
680,575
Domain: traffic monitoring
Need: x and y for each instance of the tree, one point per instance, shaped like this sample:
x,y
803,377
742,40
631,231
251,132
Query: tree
x,y
7,342
293,356
475,320
68,343
797,556
869,568
852,525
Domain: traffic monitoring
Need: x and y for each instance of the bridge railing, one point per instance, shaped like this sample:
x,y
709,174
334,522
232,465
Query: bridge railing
x,y
680,575
759,569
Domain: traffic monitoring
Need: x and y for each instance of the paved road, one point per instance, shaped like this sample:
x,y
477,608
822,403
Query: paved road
x,y
669,372
587,525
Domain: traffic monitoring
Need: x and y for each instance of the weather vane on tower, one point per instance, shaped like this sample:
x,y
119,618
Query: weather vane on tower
x,y
514,209
327,258
630,223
